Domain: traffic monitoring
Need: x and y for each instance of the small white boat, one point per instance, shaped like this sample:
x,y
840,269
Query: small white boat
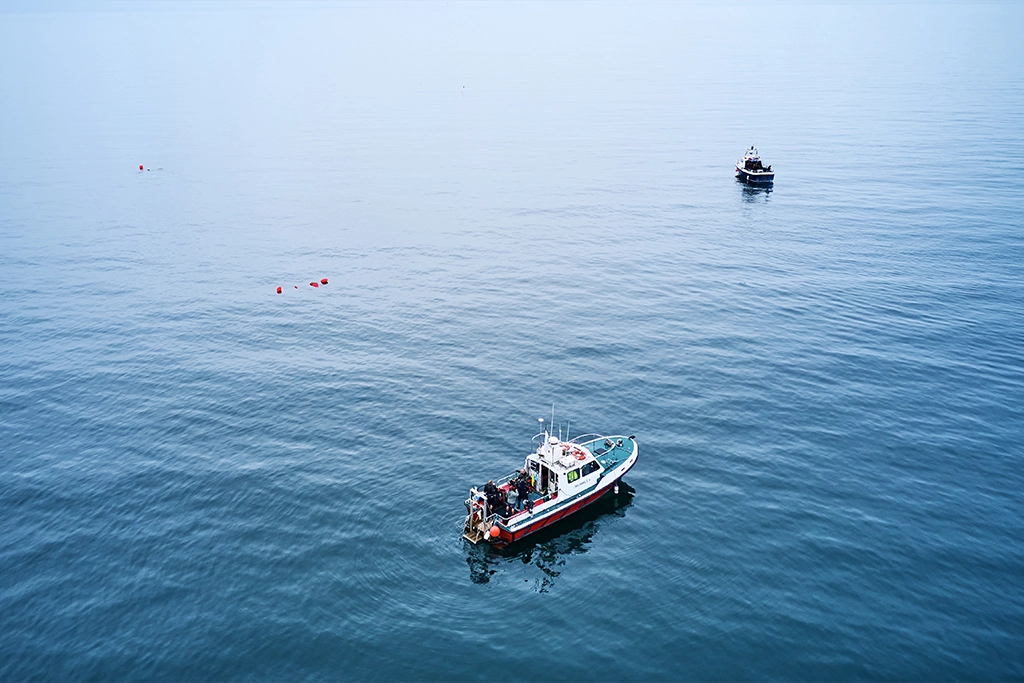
x,y
558,479
750,169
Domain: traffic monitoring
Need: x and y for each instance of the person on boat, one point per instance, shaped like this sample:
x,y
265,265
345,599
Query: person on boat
x,y
523,491
501,505
491,491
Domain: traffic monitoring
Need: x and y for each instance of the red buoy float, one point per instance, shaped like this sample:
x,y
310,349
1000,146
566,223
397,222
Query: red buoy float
x,y
140,167
278,290
495,531
314,284
323,281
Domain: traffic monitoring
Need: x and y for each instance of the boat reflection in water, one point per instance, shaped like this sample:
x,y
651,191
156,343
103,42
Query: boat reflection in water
x,y
754,193
549,548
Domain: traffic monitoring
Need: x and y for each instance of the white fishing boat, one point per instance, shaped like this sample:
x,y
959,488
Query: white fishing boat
x,y
557,479
750,169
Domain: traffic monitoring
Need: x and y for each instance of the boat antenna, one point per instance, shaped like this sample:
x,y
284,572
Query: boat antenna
x,y
541,420
552,413
567,423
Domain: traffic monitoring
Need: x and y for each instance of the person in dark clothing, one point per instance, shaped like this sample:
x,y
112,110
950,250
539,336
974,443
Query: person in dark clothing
x,y
523,490
491,491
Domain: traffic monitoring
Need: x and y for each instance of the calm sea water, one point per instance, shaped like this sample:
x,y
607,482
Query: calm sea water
x,y
516,205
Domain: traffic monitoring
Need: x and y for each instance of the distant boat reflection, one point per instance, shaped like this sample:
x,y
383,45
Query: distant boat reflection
x,y
753,193
548,548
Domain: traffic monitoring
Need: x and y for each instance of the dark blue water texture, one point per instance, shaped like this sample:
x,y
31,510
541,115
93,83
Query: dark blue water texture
x,y
516,205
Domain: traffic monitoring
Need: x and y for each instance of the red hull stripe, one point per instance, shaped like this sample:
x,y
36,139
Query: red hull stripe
x,y
508,536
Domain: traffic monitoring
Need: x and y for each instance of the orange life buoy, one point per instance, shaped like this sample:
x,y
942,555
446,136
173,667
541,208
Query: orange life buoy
x,y
580,455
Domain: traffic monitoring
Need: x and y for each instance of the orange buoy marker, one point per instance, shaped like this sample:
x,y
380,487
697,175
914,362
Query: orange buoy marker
x,y
323,281
140,167
278,290
495,531
314,284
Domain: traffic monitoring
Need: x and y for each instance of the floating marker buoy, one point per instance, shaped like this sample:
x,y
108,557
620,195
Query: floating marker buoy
x,y
495,531
296,286
140,167
323,281
314,284
278,290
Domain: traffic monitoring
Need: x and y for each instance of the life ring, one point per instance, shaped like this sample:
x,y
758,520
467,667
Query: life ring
x,y
580,455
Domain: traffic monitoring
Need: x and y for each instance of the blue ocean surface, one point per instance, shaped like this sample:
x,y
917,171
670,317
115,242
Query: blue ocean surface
x,y
517,206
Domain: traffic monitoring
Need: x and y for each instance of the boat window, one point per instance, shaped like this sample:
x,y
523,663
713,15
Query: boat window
x,y
590,467
572,476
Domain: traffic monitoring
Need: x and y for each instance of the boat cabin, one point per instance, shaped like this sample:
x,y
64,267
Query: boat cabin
x,y
752,162
562,467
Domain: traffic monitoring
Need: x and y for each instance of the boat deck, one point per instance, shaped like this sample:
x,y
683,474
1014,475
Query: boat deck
x,y
610,457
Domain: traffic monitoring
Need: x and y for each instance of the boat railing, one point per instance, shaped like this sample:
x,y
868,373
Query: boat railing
x,y
506,479
479,490
581,440
584,439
